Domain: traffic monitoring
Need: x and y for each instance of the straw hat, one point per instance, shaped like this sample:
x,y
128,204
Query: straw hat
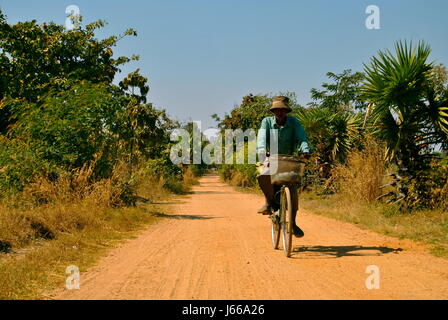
x,y
280,103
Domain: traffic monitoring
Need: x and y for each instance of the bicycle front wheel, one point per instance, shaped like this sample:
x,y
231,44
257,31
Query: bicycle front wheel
x,y
286,220
275,231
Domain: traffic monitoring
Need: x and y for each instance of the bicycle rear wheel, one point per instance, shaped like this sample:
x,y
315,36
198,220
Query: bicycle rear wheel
x,y
286,220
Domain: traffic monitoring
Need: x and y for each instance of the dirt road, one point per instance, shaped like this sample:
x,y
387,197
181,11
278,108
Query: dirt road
x,y
212,245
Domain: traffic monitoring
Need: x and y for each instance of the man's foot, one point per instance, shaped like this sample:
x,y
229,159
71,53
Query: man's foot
x,y
298,233
265,210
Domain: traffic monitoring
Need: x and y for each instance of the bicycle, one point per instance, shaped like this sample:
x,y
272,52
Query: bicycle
x,y
288,177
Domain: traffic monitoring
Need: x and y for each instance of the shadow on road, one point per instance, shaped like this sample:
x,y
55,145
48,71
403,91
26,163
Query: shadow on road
x,y
319,252
210,192
181,216
168,202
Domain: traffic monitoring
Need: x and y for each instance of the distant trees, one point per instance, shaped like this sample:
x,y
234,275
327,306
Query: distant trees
x,y
251,111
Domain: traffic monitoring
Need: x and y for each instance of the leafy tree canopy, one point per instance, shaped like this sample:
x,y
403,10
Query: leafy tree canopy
x,y
36,58
342,94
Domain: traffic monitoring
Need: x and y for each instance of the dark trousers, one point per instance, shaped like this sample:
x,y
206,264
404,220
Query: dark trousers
x,y
270,191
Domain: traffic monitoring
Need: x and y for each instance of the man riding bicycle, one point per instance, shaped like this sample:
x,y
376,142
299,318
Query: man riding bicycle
x,y
291,138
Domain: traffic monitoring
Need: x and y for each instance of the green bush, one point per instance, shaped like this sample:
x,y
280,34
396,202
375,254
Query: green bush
x,y
169,174
198,169
19,165
67,128
241,175
64,131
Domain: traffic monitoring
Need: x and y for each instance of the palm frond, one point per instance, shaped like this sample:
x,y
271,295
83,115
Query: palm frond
x,y
443,119
395,87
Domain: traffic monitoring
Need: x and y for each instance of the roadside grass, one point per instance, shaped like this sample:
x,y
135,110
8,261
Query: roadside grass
x,y
32,274
425,226
38,242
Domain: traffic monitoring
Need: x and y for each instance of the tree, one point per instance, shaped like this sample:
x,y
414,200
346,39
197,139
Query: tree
x,y
333,121
60,111
408,110
344,94
332,134
135,81
406,106
144,131
37,58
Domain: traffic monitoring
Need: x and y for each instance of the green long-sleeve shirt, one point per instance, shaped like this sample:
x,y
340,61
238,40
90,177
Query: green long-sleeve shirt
x,y
291,137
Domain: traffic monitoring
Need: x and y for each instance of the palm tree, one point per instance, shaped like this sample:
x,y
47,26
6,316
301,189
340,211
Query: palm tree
x,y
406,110
332,133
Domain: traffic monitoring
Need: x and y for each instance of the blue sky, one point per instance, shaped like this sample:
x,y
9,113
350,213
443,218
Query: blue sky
x,y
202,57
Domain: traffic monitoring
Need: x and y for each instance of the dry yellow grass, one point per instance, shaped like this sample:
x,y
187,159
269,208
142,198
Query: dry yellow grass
x,y
70,221
360,179
189,178
239,179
